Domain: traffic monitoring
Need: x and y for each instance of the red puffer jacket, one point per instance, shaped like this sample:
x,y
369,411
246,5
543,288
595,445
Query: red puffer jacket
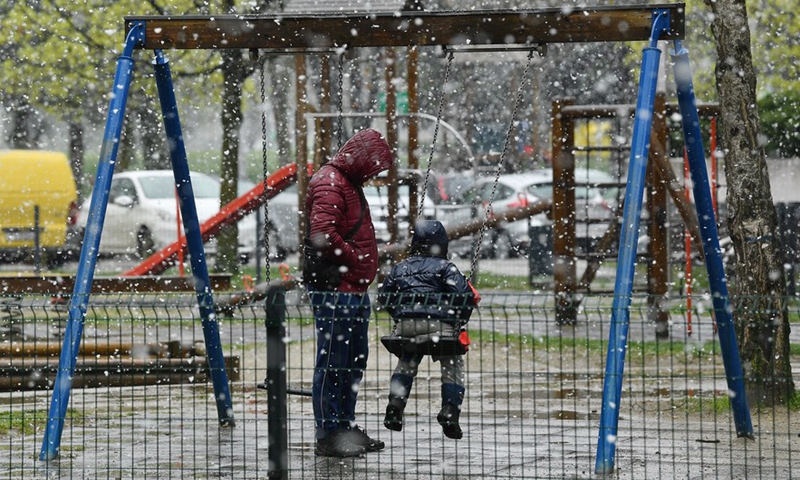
x,y
333,208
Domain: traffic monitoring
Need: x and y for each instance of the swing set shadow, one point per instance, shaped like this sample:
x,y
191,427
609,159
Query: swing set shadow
x,y
461,31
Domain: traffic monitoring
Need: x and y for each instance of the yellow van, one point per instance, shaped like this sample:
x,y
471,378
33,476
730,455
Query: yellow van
x,y
31,178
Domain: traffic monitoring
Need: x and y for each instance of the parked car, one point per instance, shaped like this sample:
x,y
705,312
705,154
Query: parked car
x,y
142,213
31,179
594,198
447,188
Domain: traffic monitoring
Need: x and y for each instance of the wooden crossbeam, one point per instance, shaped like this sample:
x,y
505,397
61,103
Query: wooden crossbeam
x,y
456,29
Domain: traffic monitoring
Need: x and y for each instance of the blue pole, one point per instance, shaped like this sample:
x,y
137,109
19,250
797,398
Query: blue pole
x,y
191,226
710,237
91,244
626,259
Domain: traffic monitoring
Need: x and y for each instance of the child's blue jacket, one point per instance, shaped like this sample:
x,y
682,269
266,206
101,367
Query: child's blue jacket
x,y
427,287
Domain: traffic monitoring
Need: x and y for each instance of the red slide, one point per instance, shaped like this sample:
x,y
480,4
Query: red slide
x,y
229,214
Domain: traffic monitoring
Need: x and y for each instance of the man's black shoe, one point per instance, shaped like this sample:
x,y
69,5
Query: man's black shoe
x,y
361,438
340,444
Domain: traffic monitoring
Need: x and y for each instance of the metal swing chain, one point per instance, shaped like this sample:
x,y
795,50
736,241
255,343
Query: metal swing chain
x,y
435,135
499,167
339,103
264,198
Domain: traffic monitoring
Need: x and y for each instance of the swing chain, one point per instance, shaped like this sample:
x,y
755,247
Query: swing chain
x,y
499,167
339,102
264,199
435,135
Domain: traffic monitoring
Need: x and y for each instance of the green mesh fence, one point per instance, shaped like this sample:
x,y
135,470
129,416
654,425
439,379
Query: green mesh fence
x,y
142,403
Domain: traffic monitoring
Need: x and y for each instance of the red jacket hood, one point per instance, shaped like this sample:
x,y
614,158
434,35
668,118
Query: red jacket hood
x,y
364,156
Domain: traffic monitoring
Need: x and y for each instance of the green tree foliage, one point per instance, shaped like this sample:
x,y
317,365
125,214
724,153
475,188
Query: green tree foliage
x,y
775,39
59,57
780,117
775,43
776,47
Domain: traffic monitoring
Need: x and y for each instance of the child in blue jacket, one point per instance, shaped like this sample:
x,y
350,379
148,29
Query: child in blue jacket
x,y
427,295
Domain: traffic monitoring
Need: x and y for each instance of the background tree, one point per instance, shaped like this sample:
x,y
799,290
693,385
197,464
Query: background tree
x,y
761,316
46,69
56,65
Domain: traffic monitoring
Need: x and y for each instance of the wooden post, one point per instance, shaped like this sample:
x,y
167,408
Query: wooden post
x,y
301,144
564,212
413,133
324,132
391,138
657,267
536,100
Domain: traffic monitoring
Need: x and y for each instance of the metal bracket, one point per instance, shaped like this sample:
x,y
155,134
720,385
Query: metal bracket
x,y
661,21
138,33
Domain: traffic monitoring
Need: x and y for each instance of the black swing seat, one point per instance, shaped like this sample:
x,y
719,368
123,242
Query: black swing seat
x,y
439,345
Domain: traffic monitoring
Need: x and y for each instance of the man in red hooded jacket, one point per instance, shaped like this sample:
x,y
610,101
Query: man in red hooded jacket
x,y
341,230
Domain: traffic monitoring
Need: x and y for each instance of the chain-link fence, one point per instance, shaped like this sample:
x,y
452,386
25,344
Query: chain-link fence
x,y
142,404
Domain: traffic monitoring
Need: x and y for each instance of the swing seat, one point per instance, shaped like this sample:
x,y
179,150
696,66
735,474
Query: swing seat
x,y
435,345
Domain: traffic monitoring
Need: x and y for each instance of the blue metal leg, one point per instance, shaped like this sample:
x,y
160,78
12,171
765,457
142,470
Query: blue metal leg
x,y
710,237
626,260
91,244
191,226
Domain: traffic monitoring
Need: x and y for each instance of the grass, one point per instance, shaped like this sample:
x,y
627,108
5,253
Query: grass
x,y
794,402
716,405
794,310
721,404
491,281
28,422
646,348
488,281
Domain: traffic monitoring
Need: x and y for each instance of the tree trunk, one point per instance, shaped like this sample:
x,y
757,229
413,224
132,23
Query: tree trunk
x,y
759,289
19,135
233,74
278,73
154,140
76,153
125,151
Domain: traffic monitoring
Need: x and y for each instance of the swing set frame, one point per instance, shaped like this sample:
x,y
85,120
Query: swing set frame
x,y
463,30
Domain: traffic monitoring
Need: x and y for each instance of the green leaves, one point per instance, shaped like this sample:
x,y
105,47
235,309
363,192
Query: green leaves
x,y
780,116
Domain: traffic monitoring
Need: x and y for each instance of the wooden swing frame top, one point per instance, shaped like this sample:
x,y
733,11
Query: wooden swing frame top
x,y
473,29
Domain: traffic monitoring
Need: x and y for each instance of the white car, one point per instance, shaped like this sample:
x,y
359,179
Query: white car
x,y
593,203
142,213
378,200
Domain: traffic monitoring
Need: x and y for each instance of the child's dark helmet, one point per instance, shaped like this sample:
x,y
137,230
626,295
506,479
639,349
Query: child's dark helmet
x,y
429,238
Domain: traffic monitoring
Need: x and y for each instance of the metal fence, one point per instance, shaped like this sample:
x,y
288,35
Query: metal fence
x,y
142,405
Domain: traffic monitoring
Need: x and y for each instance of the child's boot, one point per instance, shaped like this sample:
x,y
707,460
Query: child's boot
x,y
452,397
399,390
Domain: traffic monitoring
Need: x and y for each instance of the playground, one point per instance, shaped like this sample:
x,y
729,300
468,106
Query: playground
x,y
570,380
